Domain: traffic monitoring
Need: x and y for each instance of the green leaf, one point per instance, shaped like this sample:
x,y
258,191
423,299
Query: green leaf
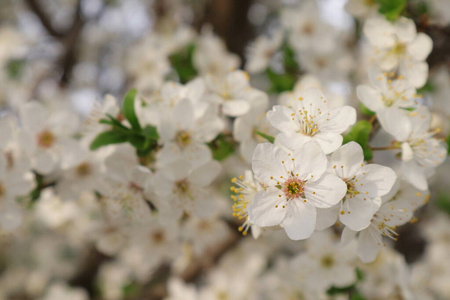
x,y
391,9
129,110
443,202
357,296
108,138
429,87
138,141
150,132
360,133
280,82
366,111
269,138
15,68
222,147
448,144
183,64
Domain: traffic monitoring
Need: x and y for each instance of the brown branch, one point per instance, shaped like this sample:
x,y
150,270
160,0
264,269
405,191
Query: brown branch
x,y
69,59
45,21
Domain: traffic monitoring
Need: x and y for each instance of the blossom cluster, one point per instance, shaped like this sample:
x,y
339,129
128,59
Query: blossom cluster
x,y
325,141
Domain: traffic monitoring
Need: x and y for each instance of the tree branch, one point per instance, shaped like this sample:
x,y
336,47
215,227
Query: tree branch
x,y
45,21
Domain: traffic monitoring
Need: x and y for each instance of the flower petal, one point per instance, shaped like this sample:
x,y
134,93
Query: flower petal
x,y
337,120
347,160
370,97
396,123
328,141
300,220
204,175
325,192
375,180
327,217
235,108
267,208
421,47
267,163
309,161
283,118
369,244
356,212
415,175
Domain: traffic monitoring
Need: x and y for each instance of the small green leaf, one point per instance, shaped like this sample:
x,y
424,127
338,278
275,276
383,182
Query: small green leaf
x,y
129,110
222,147
269,138
357,296
15,68
443,202
280,82
108,138
183,63
150,132
138,141
427,88
366,111
448,144
360,133
391,9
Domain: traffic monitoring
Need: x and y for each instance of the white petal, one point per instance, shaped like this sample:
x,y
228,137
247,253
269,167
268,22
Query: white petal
x,y
33,116
327,217
313,101
235,108
10,216
325,192
347,159
396,123
300,220
267,209
369,244
415,175
338,119
405,29
268,161
328,141
356,212
183,114
45,162
370,97
291,141
309,161
375,180
347,236
379,32
204,175
415,72
176,170
283,119
407,152
421,47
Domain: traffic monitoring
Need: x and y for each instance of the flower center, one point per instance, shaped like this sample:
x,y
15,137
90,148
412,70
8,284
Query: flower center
x,y
46,139
308,29
84,169
182,186
183,138
158,237
2,191
307,125
293,188
399,49
351,190
327,261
